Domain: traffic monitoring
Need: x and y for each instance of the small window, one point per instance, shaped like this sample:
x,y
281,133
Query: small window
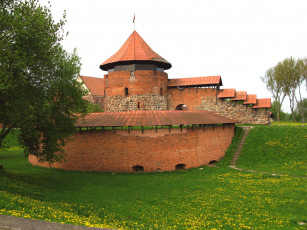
x,y
138,168
126,92
139,105
180,167
181,107
161,92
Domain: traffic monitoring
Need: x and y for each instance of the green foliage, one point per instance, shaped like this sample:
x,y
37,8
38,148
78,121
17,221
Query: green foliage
x,y
211,198
282,115
301,111
285,79
92,108
276,149
38,83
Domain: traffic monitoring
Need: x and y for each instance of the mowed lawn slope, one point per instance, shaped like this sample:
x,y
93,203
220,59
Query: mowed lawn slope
x,y
276,149
202,198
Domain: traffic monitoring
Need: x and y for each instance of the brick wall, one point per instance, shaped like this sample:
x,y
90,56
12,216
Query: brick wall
x,y
205,99
147,90
161,151
191,97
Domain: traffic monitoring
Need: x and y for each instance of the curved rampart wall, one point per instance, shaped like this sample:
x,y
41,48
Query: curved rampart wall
x,y
161,151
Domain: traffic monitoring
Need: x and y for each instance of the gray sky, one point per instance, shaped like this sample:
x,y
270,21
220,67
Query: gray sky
x,y
237,39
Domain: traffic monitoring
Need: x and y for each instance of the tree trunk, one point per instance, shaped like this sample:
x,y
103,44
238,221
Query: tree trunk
x,y
292,108
300,105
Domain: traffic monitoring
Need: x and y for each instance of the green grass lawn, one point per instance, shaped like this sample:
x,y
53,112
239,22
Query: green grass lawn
x,y
276,149
202,198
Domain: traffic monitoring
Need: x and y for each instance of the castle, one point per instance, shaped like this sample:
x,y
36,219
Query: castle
x,y
152,123
137,81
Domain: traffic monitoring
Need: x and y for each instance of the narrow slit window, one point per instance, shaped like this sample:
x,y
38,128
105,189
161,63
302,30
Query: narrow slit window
x,y
161,92
138,105
126,92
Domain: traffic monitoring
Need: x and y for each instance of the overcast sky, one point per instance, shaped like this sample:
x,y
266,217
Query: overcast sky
x,y
237,39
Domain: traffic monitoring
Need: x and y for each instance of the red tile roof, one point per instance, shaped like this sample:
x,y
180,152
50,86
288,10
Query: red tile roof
x,y
94,84
135,49
151,118
263,103
195,81
240,96
227,93
251,99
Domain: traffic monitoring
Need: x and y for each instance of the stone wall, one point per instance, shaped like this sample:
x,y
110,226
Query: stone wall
x,y
205,99
236,111
155,151
135,102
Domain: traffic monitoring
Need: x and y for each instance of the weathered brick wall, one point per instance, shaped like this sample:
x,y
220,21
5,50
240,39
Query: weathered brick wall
x,y
205,99
191,97
144,90
161,151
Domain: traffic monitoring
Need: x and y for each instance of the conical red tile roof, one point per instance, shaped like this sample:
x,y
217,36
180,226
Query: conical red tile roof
x,y
135,51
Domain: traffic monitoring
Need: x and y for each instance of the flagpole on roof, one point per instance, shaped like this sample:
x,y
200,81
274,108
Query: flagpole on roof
x,y
134,21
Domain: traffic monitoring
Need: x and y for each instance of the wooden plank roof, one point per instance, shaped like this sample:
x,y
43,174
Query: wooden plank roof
x,y
195,81
151,118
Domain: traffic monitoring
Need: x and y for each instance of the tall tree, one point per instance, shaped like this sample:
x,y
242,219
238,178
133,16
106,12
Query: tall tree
x,y
38,87
285,79
274,84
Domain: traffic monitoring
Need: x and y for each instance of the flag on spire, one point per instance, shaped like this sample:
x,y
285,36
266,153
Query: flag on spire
x,y
134,18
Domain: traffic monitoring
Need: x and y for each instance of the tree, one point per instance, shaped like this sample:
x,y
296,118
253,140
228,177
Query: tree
x,y
291,76
285,79
38,87
301,106
274,84
282,115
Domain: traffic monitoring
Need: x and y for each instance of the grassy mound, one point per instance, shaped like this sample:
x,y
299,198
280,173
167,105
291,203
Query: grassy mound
x,y
276,149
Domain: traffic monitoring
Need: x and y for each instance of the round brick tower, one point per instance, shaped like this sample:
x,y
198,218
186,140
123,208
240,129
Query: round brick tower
x,y
136,79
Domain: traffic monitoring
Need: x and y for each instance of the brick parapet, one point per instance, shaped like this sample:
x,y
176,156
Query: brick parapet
x,y
155,151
